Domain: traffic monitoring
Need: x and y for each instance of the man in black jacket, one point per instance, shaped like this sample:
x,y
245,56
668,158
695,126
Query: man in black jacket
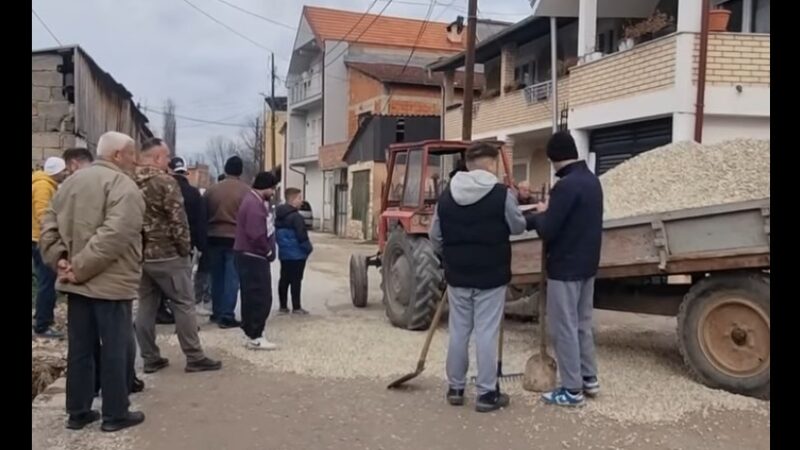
x,y
473,220
571,224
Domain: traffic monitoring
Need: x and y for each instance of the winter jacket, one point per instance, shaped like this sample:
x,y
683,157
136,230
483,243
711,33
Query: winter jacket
x,y
470,228
166,229
572,226
255,227
222,203
43,189
293,241
195,208
95,222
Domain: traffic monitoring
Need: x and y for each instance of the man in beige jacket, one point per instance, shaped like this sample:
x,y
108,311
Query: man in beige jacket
x,y
92,235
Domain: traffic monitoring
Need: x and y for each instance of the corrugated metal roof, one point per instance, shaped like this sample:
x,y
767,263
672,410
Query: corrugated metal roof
x,y
394,73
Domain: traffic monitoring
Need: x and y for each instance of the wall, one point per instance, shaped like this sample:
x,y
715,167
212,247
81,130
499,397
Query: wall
x,y
736,58
280,119
52,115
645,67
721,128
355,228
336,92
314,193
366,95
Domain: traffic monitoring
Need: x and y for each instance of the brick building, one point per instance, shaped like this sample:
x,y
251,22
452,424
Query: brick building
x,y
73,102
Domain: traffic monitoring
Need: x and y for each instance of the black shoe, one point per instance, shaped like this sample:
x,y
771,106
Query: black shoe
x,y
283,311
491,401
79,422
156,365
204,365
134,418
455,397
137,385
229,323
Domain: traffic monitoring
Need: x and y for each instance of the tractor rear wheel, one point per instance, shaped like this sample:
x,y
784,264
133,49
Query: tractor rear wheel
x,y
412,280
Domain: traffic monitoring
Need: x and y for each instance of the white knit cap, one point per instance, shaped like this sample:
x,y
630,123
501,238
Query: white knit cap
x,y
54,165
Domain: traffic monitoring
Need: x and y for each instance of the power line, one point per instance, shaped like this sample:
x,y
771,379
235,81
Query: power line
x,y
267,19
41,21
336,45
194,119
229,28
374,19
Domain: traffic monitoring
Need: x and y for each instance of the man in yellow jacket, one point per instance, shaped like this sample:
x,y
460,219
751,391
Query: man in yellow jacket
x,y
43,187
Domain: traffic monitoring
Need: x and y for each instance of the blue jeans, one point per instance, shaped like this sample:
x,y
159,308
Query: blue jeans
x,y
224,283
45,291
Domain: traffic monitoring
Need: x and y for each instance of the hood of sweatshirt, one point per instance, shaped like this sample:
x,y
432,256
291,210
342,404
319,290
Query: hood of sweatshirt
x,y
469,187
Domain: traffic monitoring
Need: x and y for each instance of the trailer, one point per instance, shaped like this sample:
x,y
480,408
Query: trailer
x,y
721,257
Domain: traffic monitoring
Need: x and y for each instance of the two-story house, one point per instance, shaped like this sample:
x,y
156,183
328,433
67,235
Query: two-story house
x,y
345,66
627,80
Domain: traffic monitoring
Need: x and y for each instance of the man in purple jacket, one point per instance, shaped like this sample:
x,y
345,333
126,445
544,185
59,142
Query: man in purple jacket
x,y
254,250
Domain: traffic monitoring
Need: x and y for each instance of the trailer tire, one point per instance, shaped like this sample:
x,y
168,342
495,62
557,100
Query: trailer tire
x,y
412,280
359,282
724,333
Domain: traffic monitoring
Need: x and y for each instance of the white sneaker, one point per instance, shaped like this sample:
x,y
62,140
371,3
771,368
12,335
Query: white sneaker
x,y
260,344
201,310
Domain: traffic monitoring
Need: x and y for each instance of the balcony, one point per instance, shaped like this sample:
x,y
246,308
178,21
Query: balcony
x,y
303,150
305,92
514,109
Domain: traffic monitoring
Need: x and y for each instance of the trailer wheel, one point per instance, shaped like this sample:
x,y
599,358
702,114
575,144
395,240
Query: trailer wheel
x,y
359,283
411,280
724,333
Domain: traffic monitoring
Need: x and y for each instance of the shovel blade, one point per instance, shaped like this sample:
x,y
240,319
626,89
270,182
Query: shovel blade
x,y
402,380
540,373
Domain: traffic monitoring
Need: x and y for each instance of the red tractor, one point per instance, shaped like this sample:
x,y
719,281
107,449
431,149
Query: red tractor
x,y
412,277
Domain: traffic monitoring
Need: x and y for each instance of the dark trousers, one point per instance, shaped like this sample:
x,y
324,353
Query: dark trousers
x,y
109,322
131,363
291,277
45,291
256,285
224,282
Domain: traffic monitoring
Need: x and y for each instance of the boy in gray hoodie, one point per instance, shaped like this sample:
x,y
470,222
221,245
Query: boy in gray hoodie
x,y
470,229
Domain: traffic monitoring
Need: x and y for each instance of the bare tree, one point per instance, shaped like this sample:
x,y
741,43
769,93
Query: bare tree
x,y
251,147
218,150
170,125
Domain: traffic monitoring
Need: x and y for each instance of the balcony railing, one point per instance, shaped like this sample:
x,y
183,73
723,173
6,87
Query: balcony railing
x,y
538,92
305,89
302,149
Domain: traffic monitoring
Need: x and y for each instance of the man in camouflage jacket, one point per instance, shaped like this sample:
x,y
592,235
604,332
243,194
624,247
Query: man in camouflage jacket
x,y
167,266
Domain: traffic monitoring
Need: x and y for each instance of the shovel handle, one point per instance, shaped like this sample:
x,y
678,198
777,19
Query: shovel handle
x,y
437,316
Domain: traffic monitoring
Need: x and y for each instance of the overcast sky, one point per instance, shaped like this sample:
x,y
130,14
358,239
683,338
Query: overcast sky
x,y
165,48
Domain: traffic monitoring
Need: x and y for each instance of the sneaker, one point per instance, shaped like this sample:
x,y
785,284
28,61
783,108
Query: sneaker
x,y
49,333
562,397
491,401
260,344
134,418
79,422
204,365
591,387
201,310
455,397
283,311
226,324
156,365
299,312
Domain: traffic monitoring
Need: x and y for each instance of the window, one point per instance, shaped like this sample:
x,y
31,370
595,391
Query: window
x,y
398,177
520,170
411,192
525,73
400,131
761,16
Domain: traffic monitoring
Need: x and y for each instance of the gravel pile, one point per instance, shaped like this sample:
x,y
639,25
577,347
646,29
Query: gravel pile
x,y
644,380
687,175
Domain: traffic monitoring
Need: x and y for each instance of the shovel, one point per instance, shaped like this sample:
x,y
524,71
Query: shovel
x,y
421,363
540,370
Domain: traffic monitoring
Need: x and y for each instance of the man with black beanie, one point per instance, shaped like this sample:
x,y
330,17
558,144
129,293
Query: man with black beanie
x,y
222,204
571,224
254,249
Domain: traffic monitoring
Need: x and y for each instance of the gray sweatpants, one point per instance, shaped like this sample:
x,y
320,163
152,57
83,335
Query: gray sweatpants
x,y
569,321
480,310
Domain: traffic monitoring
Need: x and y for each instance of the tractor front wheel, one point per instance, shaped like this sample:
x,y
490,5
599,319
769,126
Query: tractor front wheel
x,y
412,280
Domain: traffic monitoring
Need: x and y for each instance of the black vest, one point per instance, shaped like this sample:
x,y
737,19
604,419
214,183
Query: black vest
x,y
476,249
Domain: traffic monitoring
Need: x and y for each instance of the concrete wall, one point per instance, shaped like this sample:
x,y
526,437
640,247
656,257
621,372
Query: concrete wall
x,y
336,92
355,228
721,128
52,115
314,191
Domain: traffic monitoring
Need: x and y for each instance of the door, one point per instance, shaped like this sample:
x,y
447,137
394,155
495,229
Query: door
x,y
360,200
328,192
614,145
340,205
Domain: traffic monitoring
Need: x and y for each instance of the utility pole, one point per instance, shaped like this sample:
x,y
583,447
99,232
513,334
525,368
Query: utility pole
x,y
272,116
469,68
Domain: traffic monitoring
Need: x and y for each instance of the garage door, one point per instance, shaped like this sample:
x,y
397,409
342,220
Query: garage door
x,y
614,145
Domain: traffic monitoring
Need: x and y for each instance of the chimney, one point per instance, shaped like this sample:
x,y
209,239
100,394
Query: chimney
x,y
455,29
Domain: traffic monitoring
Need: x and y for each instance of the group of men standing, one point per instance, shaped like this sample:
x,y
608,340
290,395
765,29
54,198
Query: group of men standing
x,y
473,221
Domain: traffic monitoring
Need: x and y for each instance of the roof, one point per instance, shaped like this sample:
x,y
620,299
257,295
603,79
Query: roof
x,y
524,31
334,25
102,75
394,73
280,103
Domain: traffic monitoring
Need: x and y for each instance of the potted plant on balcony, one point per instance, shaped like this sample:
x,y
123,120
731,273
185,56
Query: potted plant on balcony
x,y
718,19
646,29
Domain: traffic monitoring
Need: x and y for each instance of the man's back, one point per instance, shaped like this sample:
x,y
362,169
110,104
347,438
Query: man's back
x,y
195,211
222,201
166,229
